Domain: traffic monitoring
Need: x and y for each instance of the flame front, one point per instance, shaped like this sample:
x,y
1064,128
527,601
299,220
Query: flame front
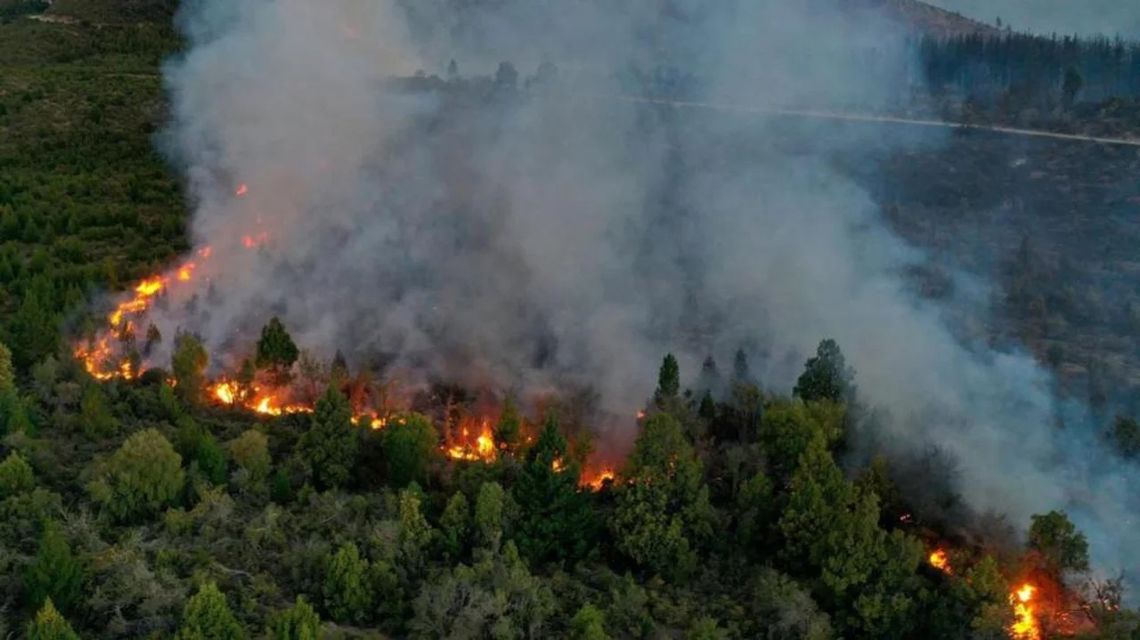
x,y
482,448
226,392
1025,625
596,480
939,560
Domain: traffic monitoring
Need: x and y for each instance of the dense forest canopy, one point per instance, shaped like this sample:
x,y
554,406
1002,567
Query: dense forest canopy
x,y
158,483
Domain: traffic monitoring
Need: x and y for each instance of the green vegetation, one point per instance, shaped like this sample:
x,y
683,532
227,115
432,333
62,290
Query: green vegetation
x,y
137,510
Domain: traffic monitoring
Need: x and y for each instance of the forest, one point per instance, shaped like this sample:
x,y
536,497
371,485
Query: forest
x,y
165,503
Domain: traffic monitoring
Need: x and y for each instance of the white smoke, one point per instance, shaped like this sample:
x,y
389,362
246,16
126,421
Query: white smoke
x,y
563,236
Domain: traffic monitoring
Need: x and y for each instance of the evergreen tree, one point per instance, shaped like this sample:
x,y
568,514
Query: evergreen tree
x,y
188,363
329,448
1059,544
7,372
95,415
32,329
50,625
409,444
211,460
299,622
508,431
663,512
741,372
589,623
556,521
490,507
454,526
415,534
16,476
207,616
55,574
276,351
826,376
668,383
831,533
348,594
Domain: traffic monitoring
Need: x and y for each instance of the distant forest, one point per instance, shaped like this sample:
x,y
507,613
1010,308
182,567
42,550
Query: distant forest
x,y
1032,70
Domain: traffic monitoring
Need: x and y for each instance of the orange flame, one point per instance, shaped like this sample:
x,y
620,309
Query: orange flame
x,y
1025,625
242,190
226,392
939,560
185,272
481,449
595,481
150,286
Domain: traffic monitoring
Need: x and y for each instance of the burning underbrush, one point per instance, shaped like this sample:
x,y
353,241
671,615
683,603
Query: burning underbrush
x,y
1040,603
473,430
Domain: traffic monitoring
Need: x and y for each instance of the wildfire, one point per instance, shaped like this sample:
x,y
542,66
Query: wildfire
x,y
242,190
557,465
1025,625
482,448
226,392
595,481
939,560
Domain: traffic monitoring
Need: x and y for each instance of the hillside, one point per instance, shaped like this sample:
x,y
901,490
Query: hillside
x,y
930,20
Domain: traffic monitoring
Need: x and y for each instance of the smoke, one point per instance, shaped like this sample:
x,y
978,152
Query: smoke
x,y
1108,18
557,235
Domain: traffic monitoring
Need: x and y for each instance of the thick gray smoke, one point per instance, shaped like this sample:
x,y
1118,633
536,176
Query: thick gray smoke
x,y
554,234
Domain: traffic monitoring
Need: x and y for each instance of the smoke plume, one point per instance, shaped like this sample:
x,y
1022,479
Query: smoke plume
x,y
552,233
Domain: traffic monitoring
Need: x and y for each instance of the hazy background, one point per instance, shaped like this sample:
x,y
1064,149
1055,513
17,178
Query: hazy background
x,y
1084,17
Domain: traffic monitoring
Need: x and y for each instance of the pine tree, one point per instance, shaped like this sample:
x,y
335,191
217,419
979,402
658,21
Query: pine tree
x,y
55,574
32,329
16,476
95,415
588,624
668,382
454,525
509,428
276,351
50,625
188,363
663,513
7,373
348,594
207,616
299,622
556,521
826,376
331,444
490,507
409,444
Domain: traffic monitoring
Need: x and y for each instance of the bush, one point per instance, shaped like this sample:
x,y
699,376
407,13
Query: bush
x,y
144,476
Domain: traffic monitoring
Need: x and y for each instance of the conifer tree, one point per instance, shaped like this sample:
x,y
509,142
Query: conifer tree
x,y
55,574
276,351
50,625
330,446
207,616
556,521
